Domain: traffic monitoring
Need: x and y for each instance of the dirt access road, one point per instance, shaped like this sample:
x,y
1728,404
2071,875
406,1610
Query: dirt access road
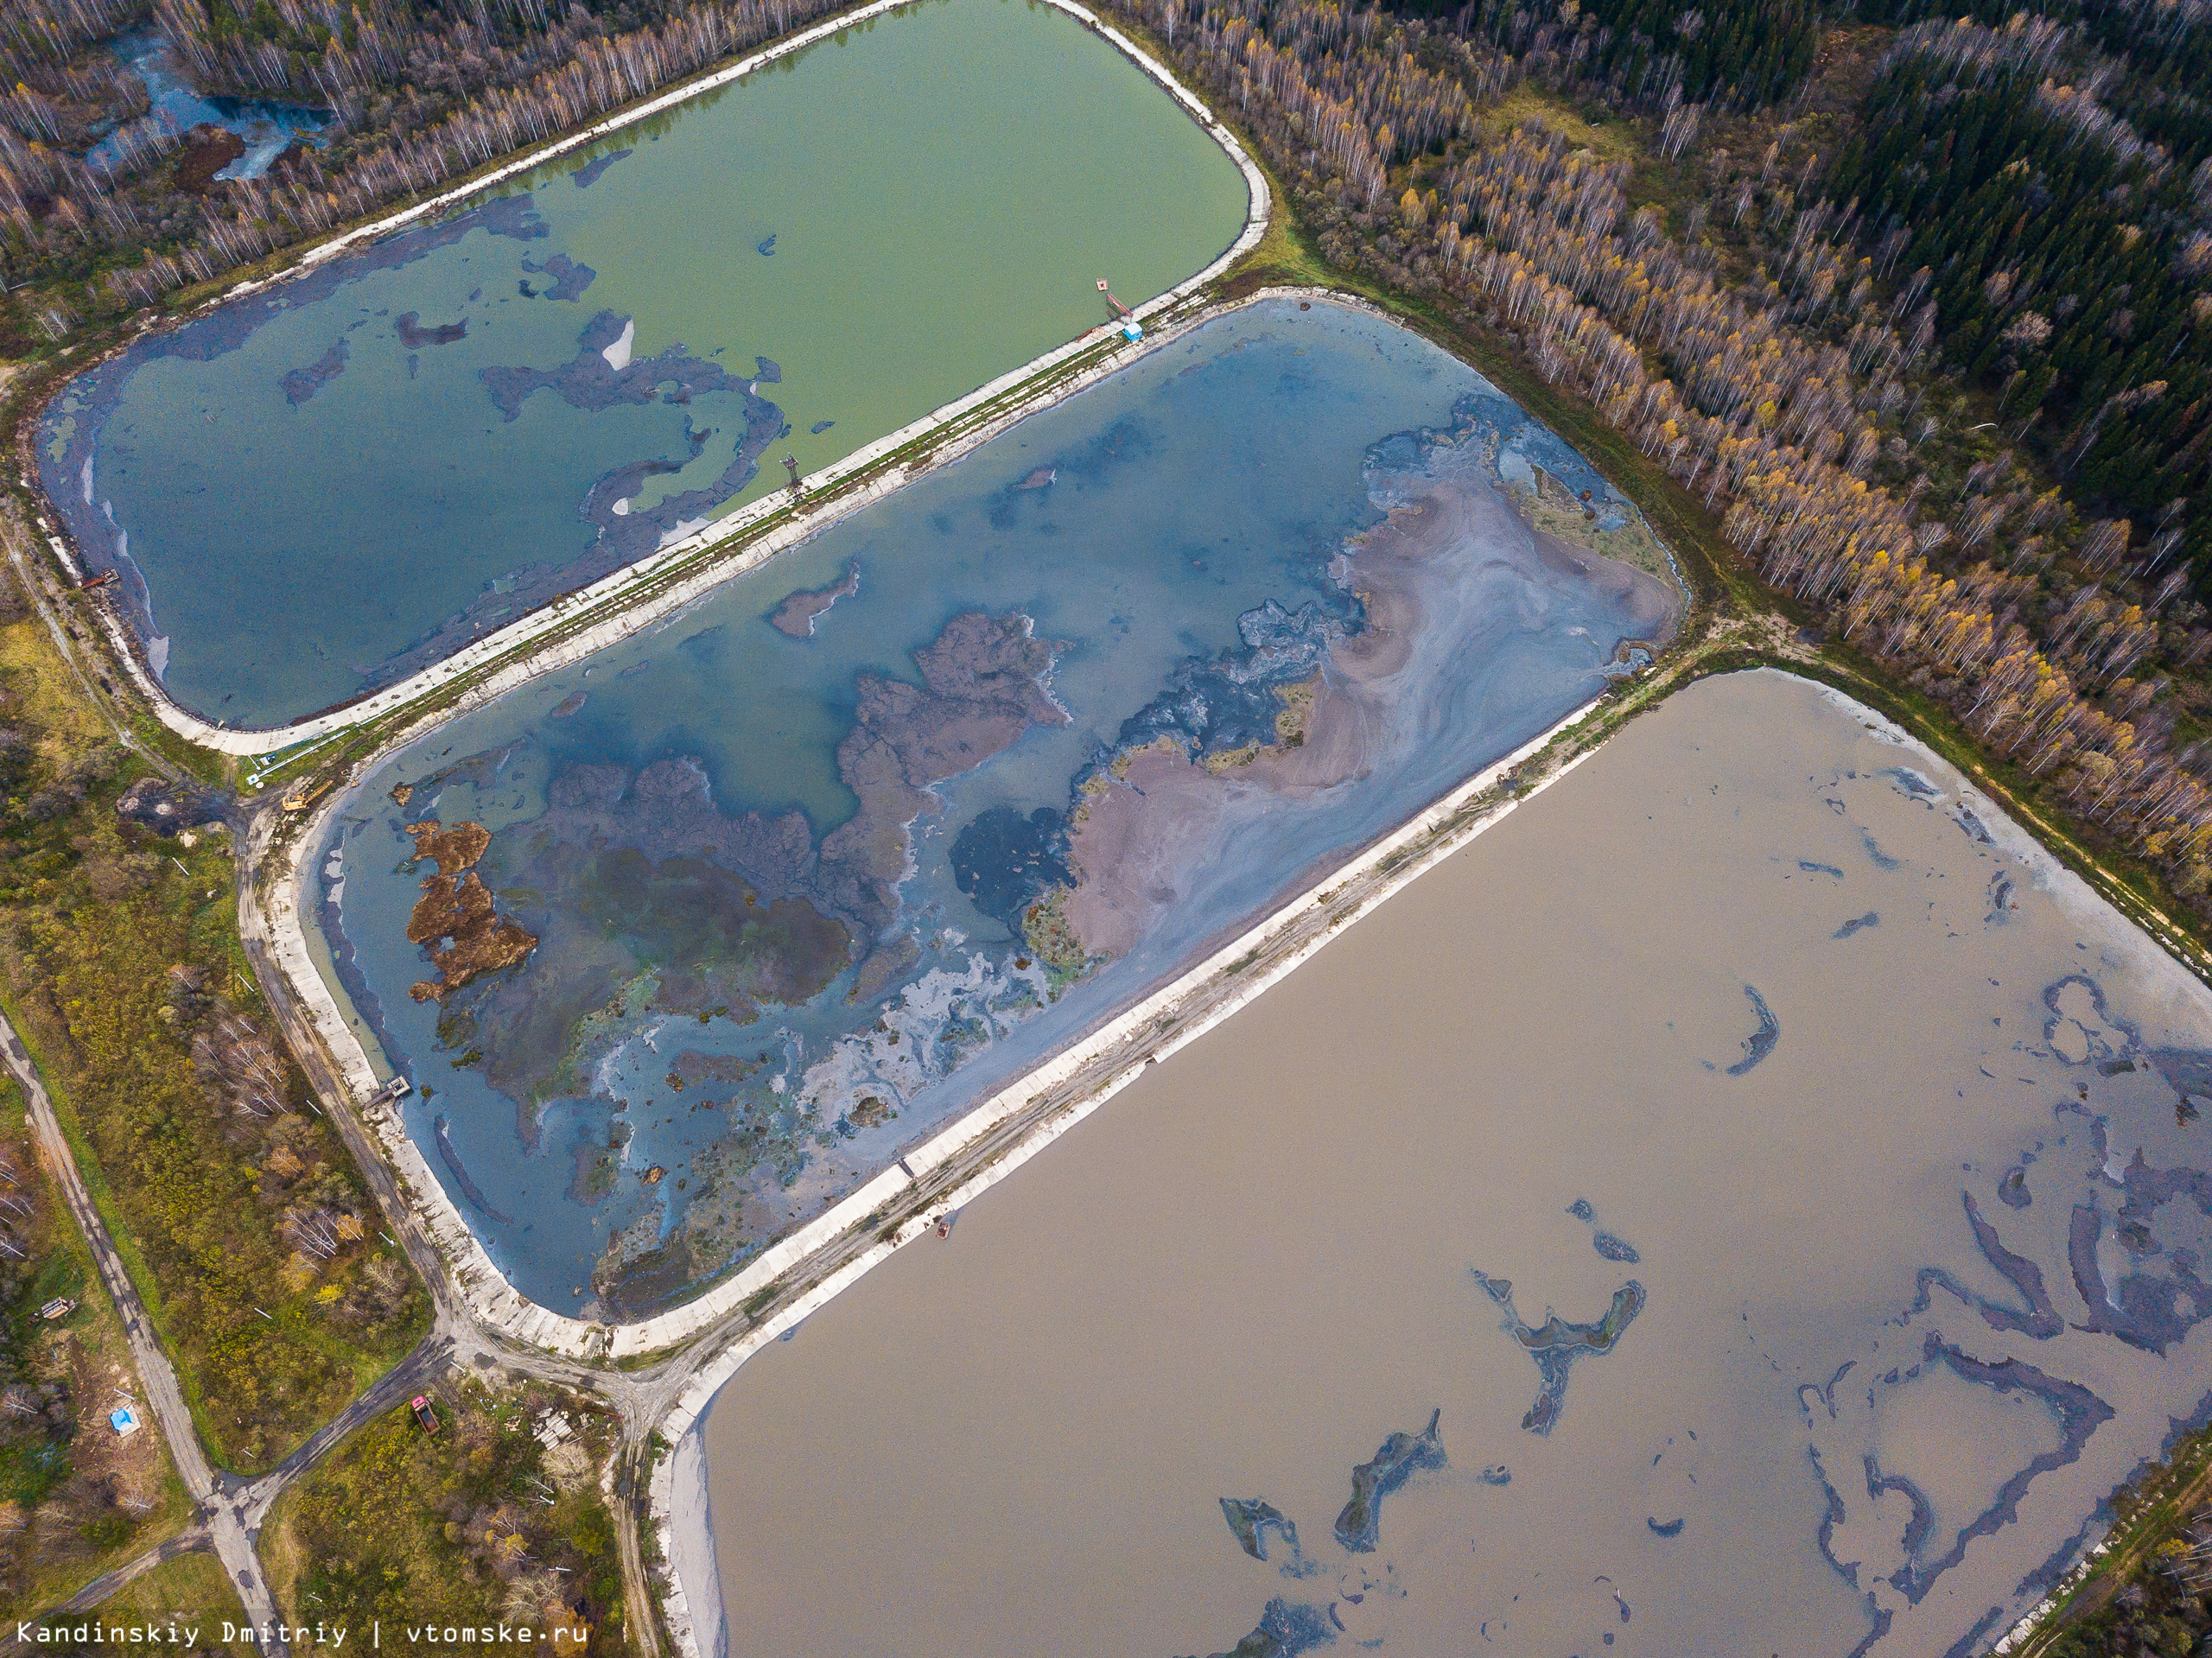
x,y
225,1525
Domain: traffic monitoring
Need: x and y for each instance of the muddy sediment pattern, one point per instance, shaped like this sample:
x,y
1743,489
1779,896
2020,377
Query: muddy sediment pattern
x,y
799,616
1113,686
339,480
1910,1293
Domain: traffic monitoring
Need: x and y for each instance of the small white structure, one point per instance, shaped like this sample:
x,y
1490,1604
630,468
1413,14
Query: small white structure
x,y
124,1421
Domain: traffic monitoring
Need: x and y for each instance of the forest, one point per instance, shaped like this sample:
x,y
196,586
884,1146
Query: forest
x,y
2158,1614
1649,53
1789,360
1915,302
251,1238
2070,258
38,1406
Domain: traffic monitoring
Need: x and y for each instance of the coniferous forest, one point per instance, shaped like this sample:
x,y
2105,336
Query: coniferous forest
x,y
1919,306
1914,301
2071,257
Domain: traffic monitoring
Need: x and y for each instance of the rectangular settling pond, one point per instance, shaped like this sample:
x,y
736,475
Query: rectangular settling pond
x,y
1751,1201
682,943
319,489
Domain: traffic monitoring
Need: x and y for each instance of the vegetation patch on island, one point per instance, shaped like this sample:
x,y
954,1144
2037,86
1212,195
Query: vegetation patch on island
x,y
456,918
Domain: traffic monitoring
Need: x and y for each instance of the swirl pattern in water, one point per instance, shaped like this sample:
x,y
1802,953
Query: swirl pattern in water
x,y
323,487
758,899
1468,1291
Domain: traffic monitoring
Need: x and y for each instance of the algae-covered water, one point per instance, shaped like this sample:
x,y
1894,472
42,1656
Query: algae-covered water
x,y
1751,1200
315,489
818,862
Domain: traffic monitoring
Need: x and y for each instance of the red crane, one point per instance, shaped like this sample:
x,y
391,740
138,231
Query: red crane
x,y
1131,329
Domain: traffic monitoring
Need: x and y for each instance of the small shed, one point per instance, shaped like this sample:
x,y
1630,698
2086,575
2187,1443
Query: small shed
x,y
124,1421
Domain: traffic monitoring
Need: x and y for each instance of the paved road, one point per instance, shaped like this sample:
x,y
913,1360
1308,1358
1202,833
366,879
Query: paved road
x,y
411,1375
227,1531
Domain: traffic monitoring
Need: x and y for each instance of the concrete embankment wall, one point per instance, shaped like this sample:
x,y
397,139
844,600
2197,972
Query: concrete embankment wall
x,y
277,918
1210,994
687,1540
1179,1012
1203,996
632,586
